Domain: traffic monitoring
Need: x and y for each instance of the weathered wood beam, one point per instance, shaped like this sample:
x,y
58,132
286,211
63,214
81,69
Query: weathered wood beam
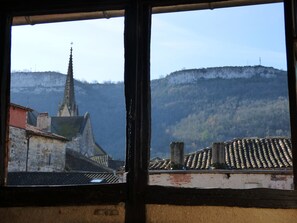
x,y
259,198
46,7
211,3
292,82
87,10
137,94
5,45
62,196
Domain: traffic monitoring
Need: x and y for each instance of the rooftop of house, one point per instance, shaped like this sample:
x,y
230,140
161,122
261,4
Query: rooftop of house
x,y
59,178
239,154
108,161
67,126
75,161
32,130
13,105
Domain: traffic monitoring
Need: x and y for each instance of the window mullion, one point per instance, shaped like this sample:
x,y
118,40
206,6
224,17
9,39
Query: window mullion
x,y
5,45
137,93
290,13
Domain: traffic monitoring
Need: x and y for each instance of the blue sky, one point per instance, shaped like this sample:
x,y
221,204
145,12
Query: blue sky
x,y
237,36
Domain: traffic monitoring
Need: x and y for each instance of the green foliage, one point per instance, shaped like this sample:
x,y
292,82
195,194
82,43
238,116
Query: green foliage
x,y
212,110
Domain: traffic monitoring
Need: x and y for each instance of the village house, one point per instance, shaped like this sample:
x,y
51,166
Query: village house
x,y
239,164
38,157
30,148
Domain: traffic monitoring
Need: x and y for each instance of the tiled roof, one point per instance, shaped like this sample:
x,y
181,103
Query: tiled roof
x,y
245,153
75,161
68,127
32,130
105,160
59,178
98,150
102,160
21,107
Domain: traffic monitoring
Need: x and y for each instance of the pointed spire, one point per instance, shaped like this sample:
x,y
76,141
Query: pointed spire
x,y
68,106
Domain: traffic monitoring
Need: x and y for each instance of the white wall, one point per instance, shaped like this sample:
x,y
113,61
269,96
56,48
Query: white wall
x,y
223,180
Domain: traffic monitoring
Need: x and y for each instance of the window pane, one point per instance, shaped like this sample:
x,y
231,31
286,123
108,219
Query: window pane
x,y
220,111
67,116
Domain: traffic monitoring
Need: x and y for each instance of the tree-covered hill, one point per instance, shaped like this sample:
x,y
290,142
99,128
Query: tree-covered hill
x,y
197,106
211,106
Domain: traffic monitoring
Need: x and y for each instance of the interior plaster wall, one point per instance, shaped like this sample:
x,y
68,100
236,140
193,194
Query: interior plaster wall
x,y
75,214
207,214
155,213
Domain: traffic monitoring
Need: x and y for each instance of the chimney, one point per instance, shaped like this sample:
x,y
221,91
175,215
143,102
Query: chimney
x,y
177,155
218,155
44,122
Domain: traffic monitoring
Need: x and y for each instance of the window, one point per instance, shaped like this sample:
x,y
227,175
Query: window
x,y
220,108
67,100
135,193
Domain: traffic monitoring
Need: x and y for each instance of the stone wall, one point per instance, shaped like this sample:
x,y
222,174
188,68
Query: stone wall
x,y
46,154
83,143
17,149
87,139
35,152
74,144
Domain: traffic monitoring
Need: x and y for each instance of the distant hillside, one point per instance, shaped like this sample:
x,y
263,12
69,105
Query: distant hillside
x,y
43,91
197,106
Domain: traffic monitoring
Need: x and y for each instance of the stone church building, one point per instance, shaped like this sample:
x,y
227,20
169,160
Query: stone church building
x,y
68,123
43,143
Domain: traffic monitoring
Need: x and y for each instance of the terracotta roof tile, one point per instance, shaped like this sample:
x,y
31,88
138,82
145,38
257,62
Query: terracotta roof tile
x,y
245,153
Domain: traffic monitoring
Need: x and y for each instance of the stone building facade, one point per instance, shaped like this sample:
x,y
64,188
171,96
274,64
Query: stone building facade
x,y
17,149
46,152
30,148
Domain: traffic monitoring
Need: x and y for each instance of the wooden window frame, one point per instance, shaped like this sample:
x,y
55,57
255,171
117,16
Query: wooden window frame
x,y
136,193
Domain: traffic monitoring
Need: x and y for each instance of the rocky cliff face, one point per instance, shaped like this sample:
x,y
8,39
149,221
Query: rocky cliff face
x,y
38,82
193,75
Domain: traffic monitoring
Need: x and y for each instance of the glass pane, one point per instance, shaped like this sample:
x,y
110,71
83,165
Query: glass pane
x,y
67,112
220,111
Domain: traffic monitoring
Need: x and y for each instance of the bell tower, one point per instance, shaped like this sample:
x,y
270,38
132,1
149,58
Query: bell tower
x,y
68,107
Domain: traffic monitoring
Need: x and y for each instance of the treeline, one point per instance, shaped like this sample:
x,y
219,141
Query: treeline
x,y
218,110
197,113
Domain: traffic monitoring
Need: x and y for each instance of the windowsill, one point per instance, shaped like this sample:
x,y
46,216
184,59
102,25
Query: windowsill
x,y
62,195
260,197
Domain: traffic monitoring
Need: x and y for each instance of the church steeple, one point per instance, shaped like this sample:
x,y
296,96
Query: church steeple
x,y
68,106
